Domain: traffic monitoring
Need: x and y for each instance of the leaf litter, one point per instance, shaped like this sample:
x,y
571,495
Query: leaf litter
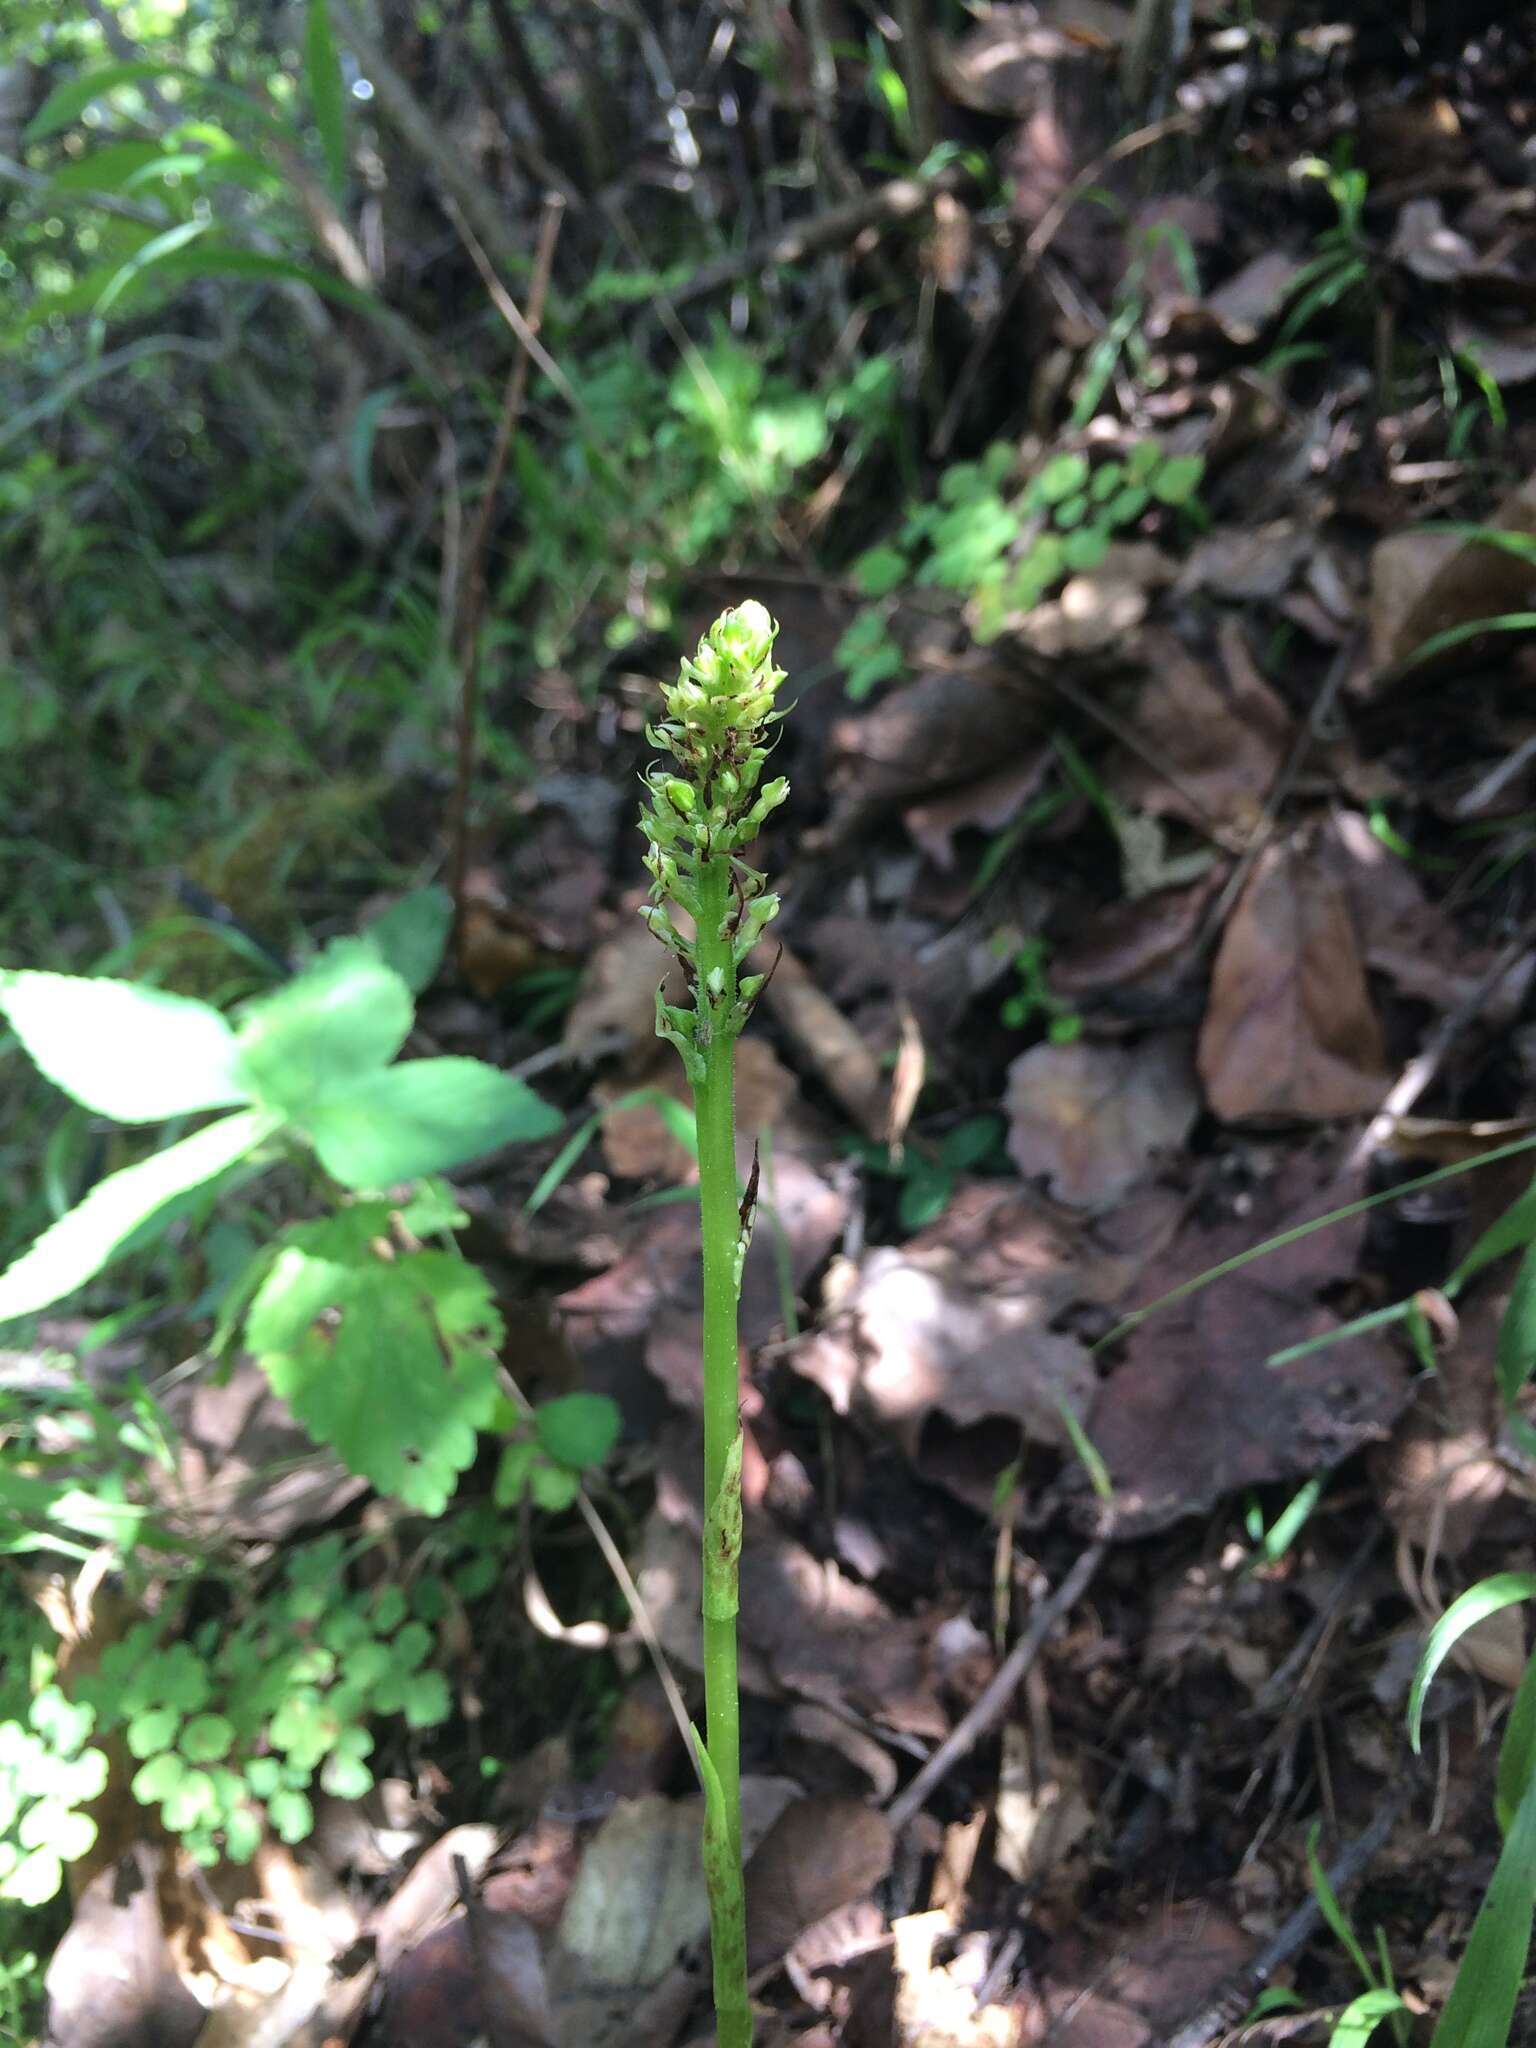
x,y
935,1416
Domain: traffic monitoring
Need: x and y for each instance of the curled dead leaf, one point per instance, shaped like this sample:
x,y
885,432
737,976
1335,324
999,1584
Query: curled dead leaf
x,y
1094,1119
1289,1030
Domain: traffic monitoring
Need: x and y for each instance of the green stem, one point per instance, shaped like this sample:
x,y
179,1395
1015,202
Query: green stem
x,y
720,1227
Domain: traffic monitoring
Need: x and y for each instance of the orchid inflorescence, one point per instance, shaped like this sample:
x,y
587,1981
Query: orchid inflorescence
x,y
703,807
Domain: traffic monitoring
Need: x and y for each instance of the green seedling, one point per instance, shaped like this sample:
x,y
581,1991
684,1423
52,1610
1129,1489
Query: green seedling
x,y
928,1174
1034,997
1007,547
706,804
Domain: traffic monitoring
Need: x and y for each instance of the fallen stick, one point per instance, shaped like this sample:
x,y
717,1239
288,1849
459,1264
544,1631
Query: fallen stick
x,y
993,1703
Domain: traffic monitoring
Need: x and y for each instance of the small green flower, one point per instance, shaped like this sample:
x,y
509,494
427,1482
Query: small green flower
x,y
704,806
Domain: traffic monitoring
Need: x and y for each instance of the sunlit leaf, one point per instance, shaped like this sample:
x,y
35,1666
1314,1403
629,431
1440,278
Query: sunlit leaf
x,y
132,1053
389,1362
67,102
423,1117
75,1249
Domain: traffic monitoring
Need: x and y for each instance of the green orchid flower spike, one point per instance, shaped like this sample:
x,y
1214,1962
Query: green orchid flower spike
x,y
705,805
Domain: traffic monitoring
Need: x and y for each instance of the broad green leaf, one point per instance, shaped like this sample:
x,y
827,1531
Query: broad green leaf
x,y
1362,2016
327,94
578,1429
343,1016
76,1248
389,1362
1475,1605
412,935
423,1117
1480,2009
135,1054
1510,1232
1517,1331
108,169
67,102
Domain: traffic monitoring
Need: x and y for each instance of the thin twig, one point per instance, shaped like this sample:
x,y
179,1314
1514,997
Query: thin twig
x,y
1040,238
1229,2005
472,598
989,1709
1424,1066
898,200
613,1557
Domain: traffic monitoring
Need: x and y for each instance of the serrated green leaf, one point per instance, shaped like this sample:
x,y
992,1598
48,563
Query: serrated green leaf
x,y
152,1731
423,1117
327,94
426,1701
390,1364
578,1429
347,1014
345,1777
206,1738
1071,511
516,1462
411,1646
136,1054
64,1723
75,1249
242,1834
157,1779
552,1487
291,1815
412,935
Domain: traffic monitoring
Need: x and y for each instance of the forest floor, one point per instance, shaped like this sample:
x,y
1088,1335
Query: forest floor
x,y
1157,880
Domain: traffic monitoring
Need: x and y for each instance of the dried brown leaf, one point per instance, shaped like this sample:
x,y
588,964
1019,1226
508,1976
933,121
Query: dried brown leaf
x,y
1289,1030
1196,1411
1214,742
818,1856
1425,584
1094,1119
